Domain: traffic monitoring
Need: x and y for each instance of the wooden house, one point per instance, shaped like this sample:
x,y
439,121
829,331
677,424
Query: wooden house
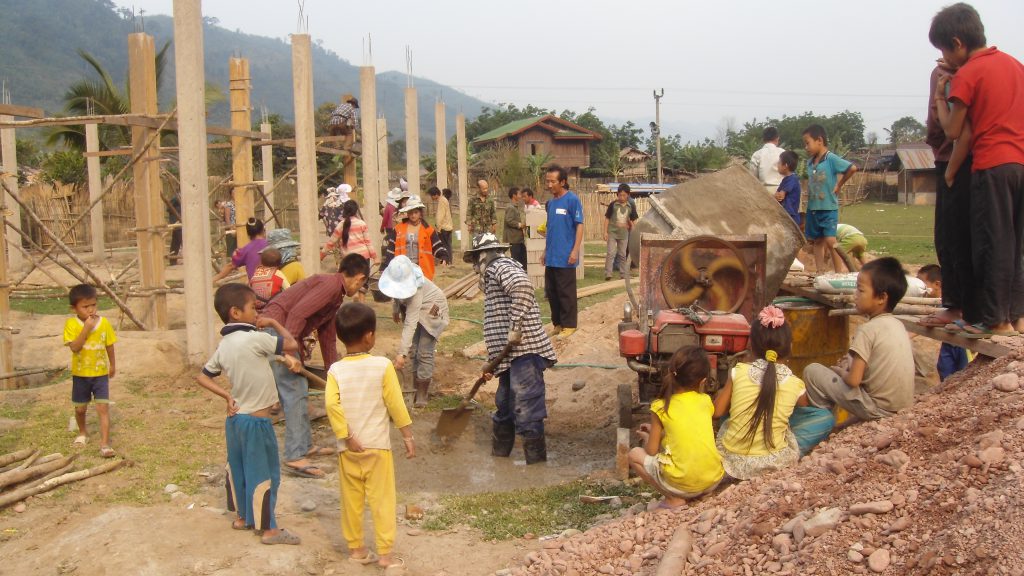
x,y
567,143
633,164
916,183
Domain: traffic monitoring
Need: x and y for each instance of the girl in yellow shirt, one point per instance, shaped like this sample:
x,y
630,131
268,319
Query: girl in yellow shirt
x,y
771,423
679,457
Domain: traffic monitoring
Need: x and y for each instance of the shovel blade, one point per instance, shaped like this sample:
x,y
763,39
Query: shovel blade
x,y
453,421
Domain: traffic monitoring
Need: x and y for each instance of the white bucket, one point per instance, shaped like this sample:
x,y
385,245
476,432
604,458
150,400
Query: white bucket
x,y
458,235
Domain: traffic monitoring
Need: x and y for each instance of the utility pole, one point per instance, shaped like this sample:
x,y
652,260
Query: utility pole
x,y
656,130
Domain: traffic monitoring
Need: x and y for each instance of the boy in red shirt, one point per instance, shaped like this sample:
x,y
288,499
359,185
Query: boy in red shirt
x,y
987,91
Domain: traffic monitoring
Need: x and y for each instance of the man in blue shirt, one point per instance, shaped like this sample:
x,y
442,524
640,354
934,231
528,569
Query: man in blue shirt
x,y
563,239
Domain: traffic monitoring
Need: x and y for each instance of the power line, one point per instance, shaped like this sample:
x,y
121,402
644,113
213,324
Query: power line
x,y
696,90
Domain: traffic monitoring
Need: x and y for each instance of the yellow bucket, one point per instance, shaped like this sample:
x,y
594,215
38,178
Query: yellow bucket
x,y
817,337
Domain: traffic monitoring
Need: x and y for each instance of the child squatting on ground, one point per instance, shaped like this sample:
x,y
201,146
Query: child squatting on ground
x,y
679,457
91,339
362,395
770,424
826,174
876,379
245,354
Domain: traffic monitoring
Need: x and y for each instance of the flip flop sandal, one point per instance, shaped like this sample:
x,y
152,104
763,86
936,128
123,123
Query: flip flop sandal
x,y
395,569
957,326
107,452
980,331
935,321
303,471
283,536
316,451
239,524
80,440
370,558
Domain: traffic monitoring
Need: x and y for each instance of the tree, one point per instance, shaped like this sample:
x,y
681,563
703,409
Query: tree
x,y
906,129
846,127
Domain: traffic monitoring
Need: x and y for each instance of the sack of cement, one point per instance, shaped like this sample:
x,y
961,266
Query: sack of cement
x,y
847,284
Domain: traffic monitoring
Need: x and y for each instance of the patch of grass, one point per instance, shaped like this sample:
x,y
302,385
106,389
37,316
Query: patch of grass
x,y
439,403
905,232
504,515
55,305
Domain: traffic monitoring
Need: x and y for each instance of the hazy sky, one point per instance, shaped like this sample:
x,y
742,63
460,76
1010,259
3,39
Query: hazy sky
x,y
716,60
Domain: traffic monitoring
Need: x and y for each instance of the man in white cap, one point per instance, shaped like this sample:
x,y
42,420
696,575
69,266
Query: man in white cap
x,y
424,308
511,314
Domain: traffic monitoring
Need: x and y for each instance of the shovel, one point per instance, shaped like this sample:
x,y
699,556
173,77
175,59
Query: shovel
x,y
316,382
453,421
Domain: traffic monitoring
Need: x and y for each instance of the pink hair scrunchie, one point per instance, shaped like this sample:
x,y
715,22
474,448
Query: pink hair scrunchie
x,y
771,317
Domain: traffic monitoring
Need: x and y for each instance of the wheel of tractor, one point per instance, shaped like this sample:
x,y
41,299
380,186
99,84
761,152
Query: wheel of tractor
x,y
625,395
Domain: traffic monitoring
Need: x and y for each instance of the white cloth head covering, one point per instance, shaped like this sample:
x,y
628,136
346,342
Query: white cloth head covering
x,y
343,192
401,278
413,203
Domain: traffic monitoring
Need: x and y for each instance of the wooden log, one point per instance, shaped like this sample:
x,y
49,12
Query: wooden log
x,y
22,493
20,475
34,244
459,285
907,309
17,455
674,559
599,288
905,300
28,461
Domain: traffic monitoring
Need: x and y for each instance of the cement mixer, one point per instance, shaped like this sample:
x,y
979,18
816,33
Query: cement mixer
x,y
711,253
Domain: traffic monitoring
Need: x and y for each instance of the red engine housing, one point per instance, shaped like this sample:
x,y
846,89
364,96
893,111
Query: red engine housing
x,y
715,332
632,343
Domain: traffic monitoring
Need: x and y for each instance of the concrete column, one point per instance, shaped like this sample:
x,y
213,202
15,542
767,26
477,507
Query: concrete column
x,y
267,160
460,141
383,158
96,227
241,148
305,152
368,119
150,213
190,80
440,146
412,142
9,151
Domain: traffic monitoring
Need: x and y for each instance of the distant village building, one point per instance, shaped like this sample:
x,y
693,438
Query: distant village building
x,y
916,183
567,143
633,164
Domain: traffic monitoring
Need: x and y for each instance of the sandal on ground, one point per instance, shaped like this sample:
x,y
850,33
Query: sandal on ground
x,y
303,471
283,536
979,331
80,440
107,452
937,320
239,524
395,568
320,451
370,558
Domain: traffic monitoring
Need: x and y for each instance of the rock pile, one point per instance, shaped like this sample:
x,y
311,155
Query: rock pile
x,y
934,490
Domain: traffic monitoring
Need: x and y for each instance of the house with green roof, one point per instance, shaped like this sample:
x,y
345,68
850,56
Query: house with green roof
x,y
568,143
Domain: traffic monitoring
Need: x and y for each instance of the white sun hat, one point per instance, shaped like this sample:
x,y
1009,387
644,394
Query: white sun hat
x,y
414,203
401,278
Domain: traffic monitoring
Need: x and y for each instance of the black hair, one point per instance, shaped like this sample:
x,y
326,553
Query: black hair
x,y
81,292
684,371
770,134
353,101
623,188
816,132
230,296
270,257
763,339
790,159
434,191
957,21
513,191
353,265
930,271
349,209
354,320
254,227
527,191
887,277
447,192
563,176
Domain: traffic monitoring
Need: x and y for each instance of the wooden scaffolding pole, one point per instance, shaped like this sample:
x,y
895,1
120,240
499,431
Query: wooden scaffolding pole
x,y
371,184
241,147
96,228
9,151
412,141
190,79
267,175
440,145
460,142
305,152
150,215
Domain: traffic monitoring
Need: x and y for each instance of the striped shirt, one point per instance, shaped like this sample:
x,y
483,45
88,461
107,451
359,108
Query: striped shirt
x,y
358,240
311,305
509,300
362,394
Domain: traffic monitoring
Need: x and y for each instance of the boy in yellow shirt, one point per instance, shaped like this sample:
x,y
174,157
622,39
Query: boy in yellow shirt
x,y
362,395
91,339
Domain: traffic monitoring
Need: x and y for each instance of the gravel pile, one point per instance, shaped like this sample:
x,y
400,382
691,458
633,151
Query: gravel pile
x,y
935,490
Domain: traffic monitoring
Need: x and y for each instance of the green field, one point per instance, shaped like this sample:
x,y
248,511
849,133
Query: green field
x,y
894,229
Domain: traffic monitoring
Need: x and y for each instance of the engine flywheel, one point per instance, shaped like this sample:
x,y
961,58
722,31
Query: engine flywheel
x,y
705,270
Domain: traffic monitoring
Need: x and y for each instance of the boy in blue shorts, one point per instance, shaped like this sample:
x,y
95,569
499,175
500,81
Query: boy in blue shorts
x,y
245,353
826,174
91,340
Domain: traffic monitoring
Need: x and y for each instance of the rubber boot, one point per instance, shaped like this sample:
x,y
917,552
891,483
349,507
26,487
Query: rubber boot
x,y
422,392
536,450
503,437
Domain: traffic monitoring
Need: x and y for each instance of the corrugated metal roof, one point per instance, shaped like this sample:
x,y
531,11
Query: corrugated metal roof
x,y
514,126
916,158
